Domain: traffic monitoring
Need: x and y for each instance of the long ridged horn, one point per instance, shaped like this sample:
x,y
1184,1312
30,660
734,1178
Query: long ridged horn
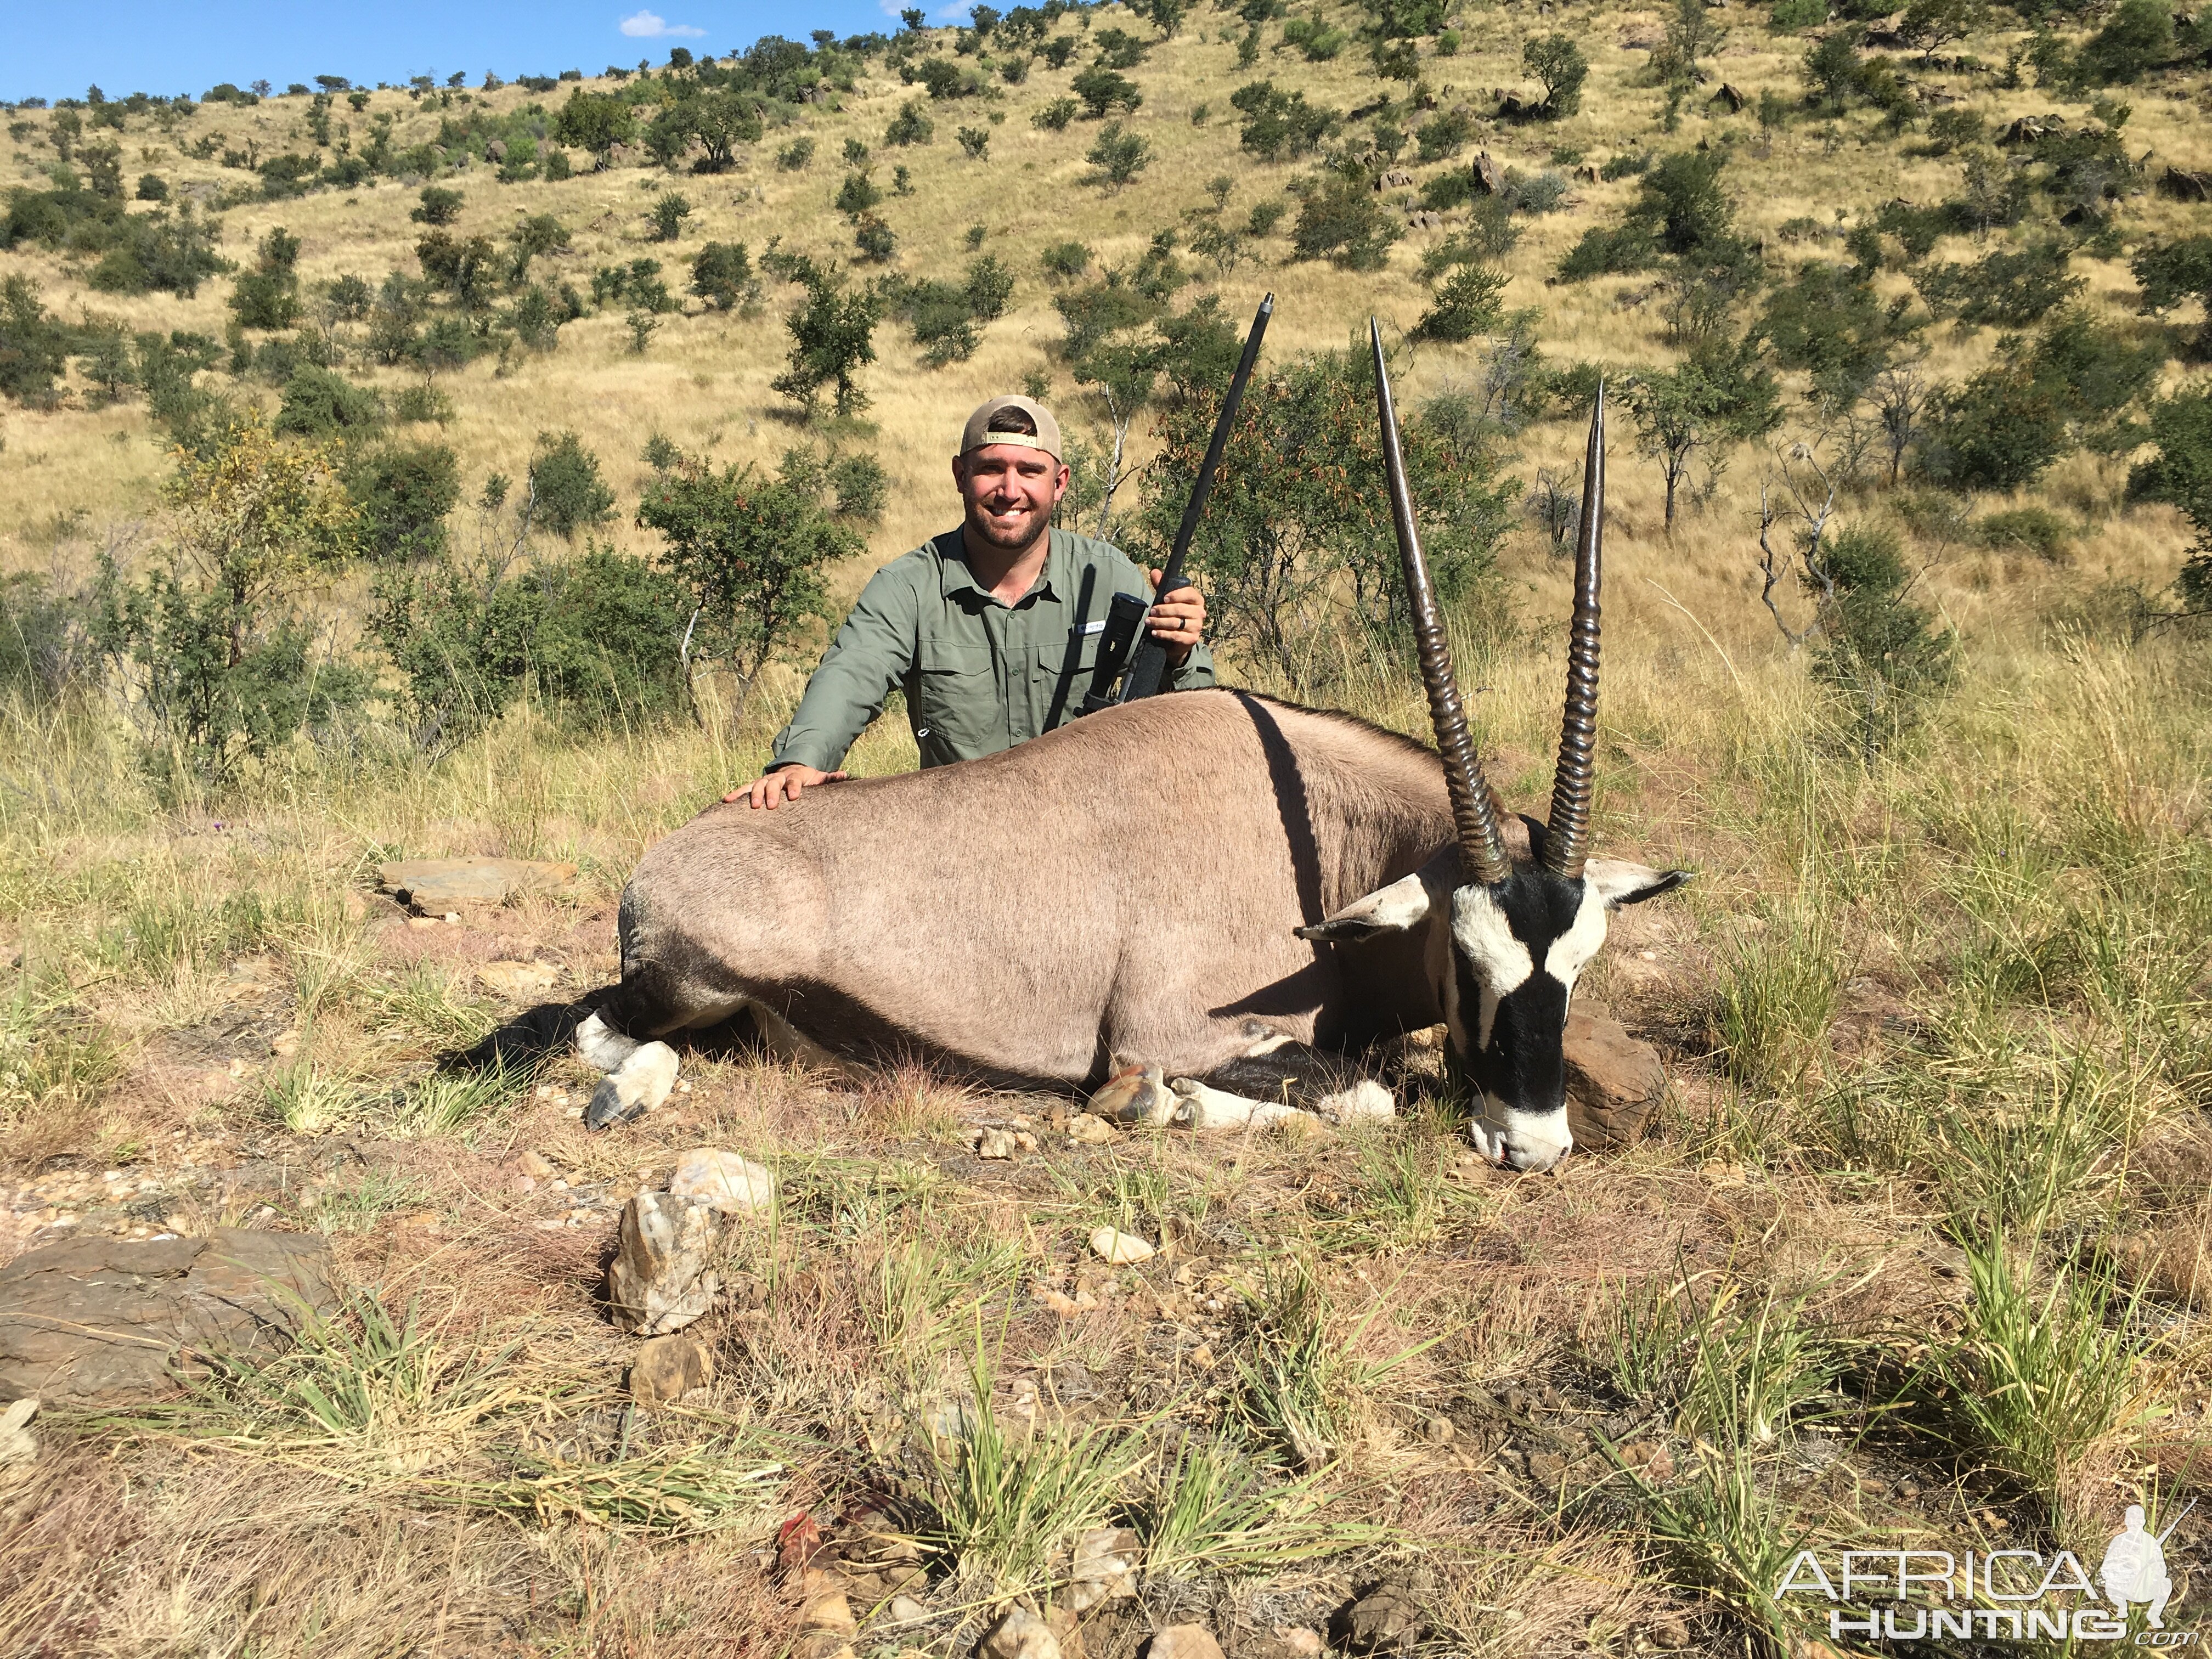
x,y
1566,840
1482,851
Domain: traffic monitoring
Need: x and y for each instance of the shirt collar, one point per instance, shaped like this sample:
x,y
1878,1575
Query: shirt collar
x,y
953,575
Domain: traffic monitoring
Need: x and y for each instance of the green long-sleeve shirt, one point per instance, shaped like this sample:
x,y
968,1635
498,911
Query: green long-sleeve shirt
x,y
979,675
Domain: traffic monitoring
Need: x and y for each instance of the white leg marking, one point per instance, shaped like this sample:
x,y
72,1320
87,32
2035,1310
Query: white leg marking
x,y
601,1047
640,1083
1364,1102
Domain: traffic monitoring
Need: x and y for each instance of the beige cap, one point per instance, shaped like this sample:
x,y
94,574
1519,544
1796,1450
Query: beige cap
x,y
977,435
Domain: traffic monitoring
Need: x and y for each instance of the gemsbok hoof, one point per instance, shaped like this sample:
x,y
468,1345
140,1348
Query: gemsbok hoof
x,y
638,1085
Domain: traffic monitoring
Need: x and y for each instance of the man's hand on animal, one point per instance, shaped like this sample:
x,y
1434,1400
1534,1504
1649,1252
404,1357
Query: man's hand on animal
x,y
780,786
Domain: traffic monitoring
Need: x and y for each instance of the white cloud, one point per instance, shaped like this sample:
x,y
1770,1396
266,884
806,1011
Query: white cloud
x,y
645,26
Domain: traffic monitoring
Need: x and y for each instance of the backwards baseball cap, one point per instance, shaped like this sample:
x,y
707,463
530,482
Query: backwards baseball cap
x,y
1000,420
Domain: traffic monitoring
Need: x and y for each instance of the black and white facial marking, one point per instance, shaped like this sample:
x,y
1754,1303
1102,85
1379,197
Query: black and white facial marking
x,y
1513,952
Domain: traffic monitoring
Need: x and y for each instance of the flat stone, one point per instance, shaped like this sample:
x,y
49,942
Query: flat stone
x,y
668,1368
1020,1635
102,1321
639,1085
995,1144
1183,1642
1387,1619
1105,1567
1084,1130
732,1184
662,1277
1614,1081
430,885
518,981
1120,1249
17,1444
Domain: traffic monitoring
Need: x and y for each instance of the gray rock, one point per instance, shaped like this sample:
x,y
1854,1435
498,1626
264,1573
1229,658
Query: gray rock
x,y
663,1276
431,884
1105,1568
110,1322
1387,1619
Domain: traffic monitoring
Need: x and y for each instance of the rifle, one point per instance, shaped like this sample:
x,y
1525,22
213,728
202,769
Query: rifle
x,y
1125,617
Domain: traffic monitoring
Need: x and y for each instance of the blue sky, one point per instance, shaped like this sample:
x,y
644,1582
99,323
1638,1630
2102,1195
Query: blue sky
x,y
53,50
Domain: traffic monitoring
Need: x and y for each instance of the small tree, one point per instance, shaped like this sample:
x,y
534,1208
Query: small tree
x,y
832,338
1559,63
751,554
1103,90
213,649
1469,303
440,206
1718,398
596,122
2173,273
975,143
722,275
1118,156
668,212
565,485
268,296
404,493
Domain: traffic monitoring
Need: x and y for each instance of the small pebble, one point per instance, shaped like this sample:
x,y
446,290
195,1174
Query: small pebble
x,y
1121,1249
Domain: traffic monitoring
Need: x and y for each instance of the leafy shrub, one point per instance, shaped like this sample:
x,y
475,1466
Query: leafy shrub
x,y
1828,320
42,644
1102,90
1344,222
861,486
1317,41
1277,123
1055,115
317,403
1116,157
1883,652
990,286
1559,63
667,214
1066,260
422,403
794,155
722,275
1264,217
268,296
595,639
2009,289
214,653
566,492
1471,302
857,194
440,206
975,142
751,554
2033,529
34,347
2137,37
909,126
404,492
2003,426
873,240
1443,135
1680,210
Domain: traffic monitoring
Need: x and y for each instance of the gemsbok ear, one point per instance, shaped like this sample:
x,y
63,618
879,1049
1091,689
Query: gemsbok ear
x,y
1618,882
1402,905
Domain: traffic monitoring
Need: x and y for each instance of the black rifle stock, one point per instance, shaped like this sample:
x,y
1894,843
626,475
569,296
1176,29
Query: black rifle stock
x,y
1148,664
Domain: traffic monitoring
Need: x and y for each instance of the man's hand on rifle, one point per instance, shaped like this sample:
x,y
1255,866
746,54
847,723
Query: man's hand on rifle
x,y
779,785
1177,621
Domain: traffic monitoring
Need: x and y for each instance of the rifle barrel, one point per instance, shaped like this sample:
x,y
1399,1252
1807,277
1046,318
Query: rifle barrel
x,y
1148,664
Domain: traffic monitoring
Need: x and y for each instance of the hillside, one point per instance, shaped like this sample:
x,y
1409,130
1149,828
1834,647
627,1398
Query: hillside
x,y
1912,1252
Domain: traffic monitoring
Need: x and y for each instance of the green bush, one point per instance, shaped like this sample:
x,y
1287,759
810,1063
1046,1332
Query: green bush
x,y
1342,221
1055,115
794,156
1827,321
1883,652
1277,123
2003,426
1559,63
2033,529
42,643
1471,302
751,555
861,486
1116,156
440,206
873,240
596,640
268,296
910,125
404,492
2137,37
2007,289
1102,90
722,275
319,402
1065,260
34,346
566,493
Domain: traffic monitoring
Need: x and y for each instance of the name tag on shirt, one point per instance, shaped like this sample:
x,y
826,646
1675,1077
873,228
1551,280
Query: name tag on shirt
x,y
1099,627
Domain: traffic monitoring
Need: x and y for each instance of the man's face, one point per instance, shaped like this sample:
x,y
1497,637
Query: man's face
x,y
1010,490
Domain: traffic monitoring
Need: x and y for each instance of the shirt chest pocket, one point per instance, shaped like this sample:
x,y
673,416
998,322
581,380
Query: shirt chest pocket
x,y
955,701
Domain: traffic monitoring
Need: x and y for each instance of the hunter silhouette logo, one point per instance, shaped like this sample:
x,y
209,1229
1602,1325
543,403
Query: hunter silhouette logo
x,y
2135,1567
2014,1594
